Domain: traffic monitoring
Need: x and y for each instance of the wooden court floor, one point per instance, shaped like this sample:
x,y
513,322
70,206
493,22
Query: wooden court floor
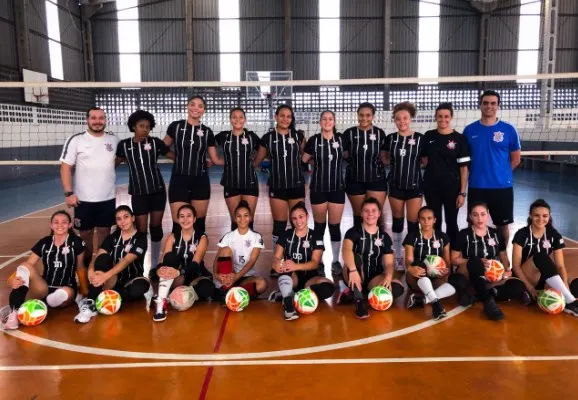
x,y
209,352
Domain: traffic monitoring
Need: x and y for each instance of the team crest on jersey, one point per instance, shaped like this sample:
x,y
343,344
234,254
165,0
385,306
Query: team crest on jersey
x,y
66,250
147,147
127,248
491,242
378,242
248,243
436,244
451,145
108,147
372,136
411,142
335,145
200,133
245,141
306,244
290,140
192,248
546,244
498,137
402,152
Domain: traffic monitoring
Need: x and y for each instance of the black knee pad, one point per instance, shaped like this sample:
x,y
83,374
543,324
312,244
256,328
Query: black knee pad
x,y
205,289
17,297
171,259
233,225
397,225
320,229
279,228
103,262
545,265
396,289
199,224
475,267
176,228
137,288
156,233
357,220
458,281
574,287
512,289
412,226
323,290
335,232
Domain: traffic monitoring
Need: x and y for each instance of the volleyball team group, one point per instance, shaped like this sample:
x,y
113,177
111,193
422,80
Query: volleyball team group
x,y
476,165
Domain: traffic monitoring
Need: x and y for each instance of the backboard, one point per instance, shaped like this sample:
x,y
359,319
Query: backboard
x,y
36,94
276,92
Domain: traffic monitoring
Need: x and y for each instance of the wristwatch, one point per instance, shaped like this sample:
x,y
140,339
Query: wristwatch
x,y
66,194
463,194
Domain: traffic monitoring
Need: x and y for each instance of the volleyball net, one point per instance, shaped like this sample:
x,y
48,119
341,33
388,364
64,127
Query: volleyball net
x,y
36,118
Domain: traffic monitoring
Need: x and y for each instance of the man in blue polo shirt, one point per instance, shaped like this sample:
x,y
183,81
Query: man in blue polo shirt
x,y
495,153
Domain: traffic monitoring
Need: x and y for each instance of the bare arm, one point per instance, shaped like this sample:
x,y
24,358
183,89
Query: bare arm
x,y
306,157
201,250
458,259
384,157
261,154
212,150
66,179
463,178
168,140
515,159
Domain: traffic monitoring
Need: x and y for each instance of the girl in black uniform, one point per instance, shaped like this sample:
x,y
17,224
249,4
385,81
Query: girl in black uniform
x,y
365,176
537,256
447,156
284,145
472,250
326,190
183,263
368,259
55,279
296,259
418,245
239,176
189,179
403,151
145,182
119,265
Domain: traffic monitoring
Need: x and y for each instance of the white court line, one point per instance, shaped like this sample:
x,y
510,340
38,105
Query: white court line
x,y
232,356
33,212
329,361
14,258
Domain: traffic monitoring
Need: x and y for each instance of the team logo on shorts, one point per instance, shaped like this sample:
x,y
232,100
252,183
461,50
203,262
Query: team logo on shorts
x,y
545,244
306,244
147,147
498,137
248,243
335,145
77,222
66,250
108,147
451,145
411,142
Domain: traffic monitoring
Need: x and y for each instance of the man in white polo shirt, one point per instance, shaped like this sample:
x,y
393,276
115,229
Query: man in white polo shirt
x,y
92,155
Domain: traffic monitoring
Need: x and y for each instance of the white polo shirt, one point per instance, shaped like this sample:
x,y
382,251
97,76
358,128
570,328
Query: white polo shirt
x,y
242,246
93,156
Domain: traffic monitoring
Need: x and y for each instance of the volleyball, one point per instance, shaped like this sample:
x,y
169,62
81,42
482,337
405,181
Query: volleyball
x,y
380,298
237,299
108,302
183,297
32,312
494,271
306,301
435,266
551,301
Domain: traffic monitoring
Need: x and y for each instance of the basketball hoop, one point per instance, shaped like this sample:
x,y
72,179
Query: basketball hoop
x,y
40,96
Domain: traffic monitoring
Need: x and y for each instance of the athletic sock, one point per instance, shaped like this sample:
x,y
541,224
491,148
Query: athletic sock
x,y
557,283
445,290
155,253
335,248
285,284
57,298
164,288
427,289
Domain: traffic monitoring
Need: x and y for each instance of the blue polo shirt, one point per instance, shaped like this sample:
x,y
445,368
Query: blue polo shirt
x,y
490,148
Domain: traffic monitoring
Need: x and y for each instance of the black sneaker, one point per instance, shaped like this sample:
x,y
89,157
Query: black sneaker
x,y
437,310
527,299
275,297
465,299
361,309
289,308
161,308
415,301
572,308
492,310
336,268
345,297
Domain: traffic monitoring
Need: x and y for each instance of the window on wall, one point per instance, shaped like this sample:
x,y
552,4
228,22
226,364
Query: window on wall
x,y
429,39
329,39
128,40
528,39
54,47
229,41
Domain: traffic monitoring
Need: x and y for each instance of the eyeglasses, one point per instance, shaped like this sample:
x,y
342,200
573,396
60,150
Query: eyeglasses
x,y
489,103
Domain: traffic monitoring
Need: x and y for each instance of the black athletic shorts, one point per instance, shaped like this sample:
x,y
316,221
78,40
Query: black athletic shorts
x,y
404,194
287,194
232,192
354,188
303,277
143,204
100,214
500,203
184,188
337,197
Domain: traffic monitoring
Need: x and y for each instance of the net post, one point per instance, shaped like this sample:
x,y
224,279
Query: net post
x,y
548,62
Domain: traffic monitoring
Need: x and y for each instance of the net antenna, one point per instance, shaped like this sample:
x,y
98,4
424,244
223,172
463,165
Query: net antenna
x,y
271,94
35,94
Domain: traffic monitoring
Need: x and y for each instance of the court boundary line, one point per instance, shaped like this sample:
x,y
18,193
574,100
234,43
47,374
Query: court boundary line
x,y
14,258
290,362
232,356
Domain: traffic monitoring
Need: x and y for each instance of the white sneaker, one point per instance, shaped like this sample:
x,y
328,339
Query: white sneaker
x,y
87,310
8,318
